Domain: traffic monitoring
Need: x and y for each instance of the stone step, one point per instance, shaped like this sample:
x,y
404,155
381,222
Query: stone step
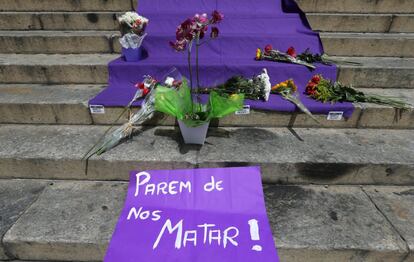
x,y
300,155
79,42
328,22
59,42
357,6
74,221
323,6
373,72
67,5
59,21
55,69
363,23
68,104
374,44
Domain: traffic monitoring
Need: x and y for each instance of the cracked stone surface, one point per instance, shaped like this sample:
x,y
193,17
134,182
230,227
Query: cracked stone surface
x,y
330,224
15,197
397,204
71,221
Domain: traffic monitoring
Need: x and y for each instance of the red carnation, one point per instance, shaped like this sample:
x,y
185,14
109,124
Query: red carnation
x,y
310,89
268,49
316,79
140,85
291,51
145,91
311,85
177,83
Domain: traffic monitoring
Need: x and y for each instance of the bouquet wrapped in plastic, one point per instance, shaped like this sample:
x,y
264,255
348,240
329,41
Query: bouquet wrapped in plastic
x,y
146,89
255,88
132,40
325,90
132,22
270,54
132,27
288,90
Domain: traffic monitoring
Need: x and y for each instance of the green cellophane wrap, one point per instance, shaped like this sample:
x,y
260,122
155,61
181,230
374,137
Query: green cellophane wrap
x,y
178,103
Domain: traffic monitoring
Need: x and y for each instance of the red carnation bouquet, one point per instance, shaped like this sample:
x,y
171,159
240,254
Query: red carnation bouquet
x,y
324,90
270,54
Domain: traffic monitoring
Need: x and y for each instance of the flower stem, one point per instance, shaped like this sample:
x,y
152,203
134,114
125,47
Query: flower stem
x,y
191,76
197,67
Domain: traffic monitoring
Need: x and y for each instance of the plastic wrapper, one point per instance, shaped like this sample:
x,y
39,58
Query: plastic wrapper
x,y
111,139
278,56
295,100
288,90
131,40
221,106
178,103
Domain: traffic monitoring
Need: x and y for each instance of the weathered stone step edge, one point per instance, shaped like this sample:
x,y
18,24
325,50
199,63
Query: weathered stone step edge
x,y
329,22
101,20
67,5
368,44
86,42
356,6
61,104
321,156
364,23
342,222
59,42
380,72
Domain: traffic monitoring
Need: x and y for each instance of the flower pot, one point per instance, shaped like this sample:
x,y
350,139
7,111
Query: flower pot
x,y
194,135
132,54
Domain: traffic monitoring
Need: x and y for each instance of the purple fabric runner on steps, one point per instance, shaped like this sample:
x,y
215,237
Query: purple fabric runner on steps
x,y
247,26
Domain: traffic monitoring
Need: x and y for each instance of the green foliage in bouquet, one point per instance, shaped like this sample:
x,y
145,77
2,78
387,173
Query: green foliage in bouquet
x,y
255,88
311,58
239,85
178,103
324,90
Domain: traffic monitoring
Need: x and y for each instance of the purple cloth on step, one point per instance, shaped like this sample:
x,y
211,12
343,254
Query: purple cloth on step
x,y
248,25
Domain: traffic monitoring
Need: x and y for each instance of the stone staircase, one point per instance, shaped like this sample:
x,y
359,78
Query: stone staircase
x,y
340,192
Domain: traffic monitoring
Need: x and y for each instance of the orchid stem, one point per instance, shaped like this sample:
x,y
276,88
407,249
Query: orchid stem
x,y
191,76
197,66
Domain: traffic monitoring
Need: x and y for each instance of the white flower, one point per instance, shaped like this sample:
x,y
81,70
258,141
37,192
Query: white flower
x,y
130,18
169,81
264,77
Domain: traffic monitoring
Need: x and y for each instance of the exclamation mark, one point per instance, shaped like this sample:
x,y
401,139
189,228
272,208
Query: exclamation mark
x,y
254,233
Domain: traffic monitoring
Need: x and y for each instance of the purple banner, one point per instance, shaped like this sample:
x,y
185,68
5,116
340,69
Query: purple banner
x,y
194,215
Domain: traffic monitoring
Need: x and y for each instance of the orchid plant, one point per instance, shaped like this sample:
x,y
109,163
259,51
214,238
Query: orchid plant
x,y
190,33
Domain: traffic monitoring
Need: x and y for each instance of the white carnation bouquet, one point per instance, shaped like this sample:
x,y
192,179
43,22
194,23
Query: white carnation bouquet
x,y
132,27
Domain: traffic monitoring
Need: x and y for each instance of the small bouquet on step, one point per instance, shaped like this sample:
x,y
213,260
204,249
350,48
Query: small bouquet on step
x,y
255,88
288,90
324,90
311,58
146,90
270,54
132,22
132,27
